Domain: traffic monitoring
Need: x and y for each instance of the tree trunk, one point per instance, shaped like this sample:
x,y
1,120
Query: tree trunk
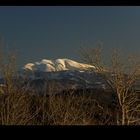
x,y
123,115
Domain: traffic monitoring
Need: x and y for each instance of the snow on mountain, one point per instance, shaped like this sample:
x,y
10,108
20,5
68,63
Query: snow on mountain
x,y
57,65
69,73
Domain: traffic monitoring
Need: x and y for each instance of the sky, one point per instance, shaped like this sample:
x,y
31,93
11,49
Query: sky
x,y
51,32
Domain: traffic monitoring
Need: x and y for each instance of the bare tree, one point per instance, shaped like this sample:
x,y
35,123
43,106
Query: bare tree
x,y
121,77
14,102
92,55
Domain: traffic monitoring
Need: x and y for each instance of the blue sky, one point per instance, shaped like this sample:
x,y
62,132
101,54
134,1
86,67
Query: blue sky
x,y
57,31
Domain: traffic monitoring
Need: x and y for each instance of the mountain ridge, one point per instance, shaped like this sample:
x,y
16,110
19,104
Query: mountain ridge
x,y
60,64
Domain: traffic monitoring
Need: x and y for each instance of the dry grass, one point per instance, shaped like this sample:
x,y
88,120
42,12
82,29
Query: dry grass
x,y
27,109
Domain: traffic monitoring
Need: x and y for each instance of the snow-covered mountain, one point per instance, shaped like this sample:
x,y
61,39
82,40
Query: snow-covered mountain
x,y
65,73
57,65
62,74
